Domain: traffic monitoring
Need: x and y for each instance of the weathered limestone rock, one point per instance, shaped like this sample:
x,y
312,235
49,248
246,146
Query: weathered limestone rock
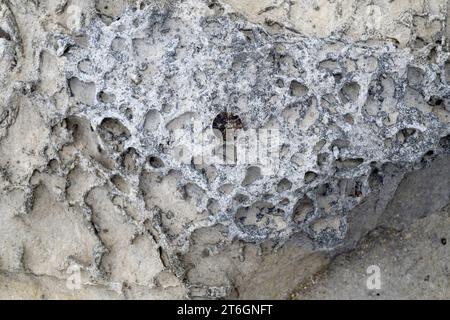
x,y
125,165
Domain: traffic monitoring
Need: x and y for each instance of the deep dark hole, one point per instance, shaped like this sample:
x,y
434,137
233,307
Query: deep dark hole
x,y
435,101
156,162
444,142
4,35
226,121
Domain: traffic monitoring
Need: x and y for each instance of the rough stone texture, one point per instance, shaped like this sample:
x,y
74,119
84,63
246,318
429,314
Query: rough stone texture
x,y
95,92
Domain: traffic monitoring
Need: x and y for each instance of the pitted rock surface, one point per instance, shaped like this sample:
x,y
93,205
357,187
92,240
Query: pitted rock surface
x,y
95,99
